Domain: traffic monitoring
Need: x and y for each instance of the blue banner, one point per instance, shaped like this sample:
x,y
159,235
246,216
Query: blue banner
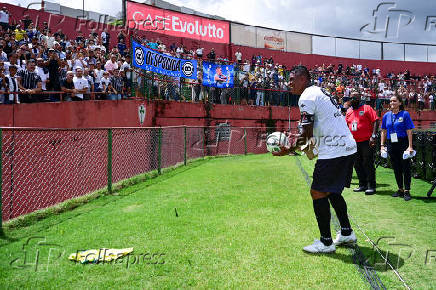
x,y
150,60
217,75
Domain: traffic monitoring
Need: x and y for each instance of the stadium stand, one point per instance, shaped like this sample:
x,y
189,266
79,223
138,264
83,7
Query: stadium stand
x,y
101,64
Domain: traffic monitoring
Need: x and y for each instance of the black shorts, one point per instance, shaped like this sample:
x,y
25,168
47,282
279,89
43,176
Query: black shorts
x,y
332,175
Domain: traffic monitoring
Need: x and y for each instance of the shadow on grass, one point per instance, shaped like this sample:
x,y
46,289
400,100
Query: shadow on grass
x,y
422,198
369,257
7,238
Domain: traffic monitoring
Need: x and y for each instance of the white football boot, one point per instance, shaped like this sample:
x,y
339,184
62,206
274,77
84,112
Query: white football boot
x,y
319,247
345,240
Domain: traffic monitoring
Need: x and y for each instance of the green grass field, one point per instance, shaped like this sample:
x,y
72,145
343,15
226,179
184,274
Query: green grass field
x,y
241,223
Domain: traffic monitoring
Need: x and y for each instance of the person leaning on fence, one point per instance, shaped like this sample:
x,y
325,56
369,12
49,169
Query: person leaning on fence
x,y
53,64
104,82
431,101
81,85
397,135
30,83
67,87
117,86
10,85
2,84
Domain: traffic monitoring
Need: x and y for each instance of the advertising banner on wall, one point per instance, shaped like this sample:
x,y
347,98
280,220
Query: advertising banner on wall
x,y
217,75
271,39
273,42
150,60
149,18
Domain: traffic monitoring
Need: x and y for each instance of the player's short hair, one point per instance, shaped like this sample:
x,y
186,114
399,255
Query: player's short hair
x,y
301,70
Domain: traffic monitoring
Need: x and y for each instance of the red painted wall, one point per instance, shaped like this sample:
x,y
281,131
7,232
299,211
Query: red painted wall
x,y
92,114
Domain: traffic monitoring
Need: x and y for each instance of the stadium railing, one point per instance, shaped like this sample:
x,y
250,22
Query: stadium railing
x,y
40,168
150,85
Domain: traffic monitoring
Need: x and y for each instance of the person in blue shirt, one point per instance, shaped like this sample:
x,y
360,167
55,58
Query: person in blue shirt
x,y
153,45
397,135
122,47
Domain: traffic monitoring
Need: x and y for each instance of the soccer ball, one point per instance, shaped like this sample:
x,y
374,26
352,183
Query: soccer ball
x,y
274,140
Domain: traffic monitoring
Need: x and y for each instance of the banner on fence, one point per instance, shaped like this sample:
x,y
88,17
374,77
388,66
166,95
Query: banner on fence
x,y
217,75
157,62
167,22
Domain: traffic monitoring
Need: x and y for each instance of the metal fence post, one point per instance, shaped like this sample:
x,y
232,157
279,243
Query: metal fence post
x,y
203,141
180,89
245,141
1,182
132,87
149,85
185,146
132,71
159,152
109,161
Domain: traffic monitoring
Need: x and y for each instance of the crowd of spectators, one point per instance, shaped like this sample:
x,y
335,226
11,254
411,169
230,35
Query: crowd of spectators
x,y
39,65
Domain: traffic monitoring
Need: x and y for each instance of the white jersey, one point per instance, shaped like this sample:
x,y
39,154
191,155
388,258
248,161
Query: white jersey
x,y
80,84
330,130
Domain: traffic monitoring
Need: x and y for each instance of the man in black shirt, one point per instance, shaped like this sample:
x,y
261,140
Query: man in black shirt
x,y
53,82
211,55
68,87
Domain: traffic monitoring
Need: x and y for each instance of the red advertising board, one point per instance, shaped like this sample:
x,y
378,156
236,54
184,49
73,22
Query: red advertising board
x,y
149,18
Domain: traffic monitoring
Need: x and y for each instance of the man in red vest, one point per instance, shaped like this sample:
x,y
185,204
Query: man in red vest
x,y
362,121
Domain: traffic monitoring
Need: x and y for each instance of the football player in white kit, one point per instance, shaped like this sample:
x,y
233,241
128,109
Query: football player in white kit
x,y
322,122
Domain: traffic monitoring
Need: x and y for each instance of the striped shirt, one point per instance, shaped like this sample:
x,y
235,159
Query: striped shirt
x,y
117,84
29,80
11,86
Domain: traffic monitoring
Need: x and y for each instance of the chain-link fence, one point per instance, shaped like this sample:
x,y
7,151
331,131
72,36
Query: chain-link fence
x,y
43,167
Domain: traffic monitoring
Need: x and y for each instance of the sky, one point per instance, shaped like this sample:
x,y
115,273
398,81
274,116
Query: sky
x,y
409,21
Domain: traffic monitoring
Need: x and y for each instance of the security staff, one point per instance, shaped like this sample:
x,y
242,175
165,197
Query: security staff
x,y
397,135
362,121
